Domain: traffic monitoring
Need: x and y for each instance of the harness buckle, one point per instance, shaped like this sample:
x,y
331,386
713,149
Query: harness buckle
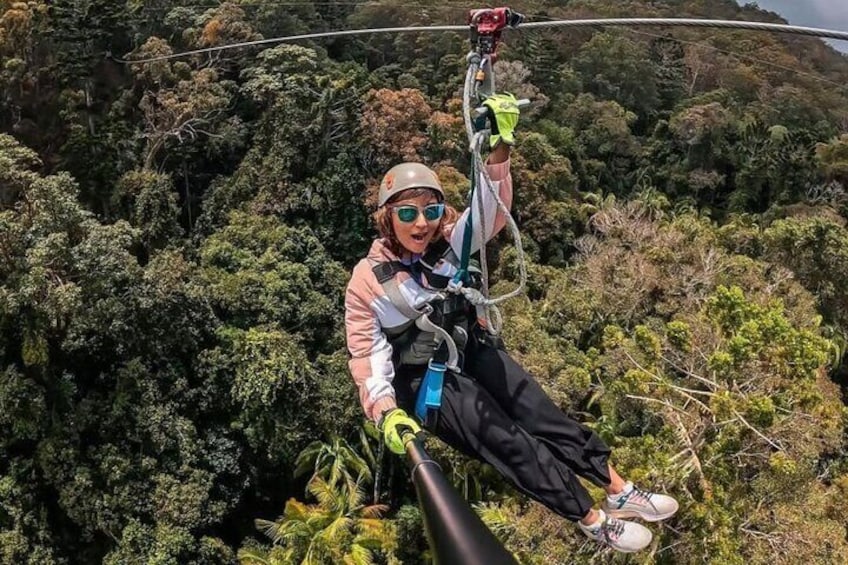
x,y
455,286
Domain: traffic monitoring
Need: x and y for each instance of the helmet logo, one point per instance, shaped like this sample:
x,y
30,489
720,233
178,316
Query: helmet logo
x,y
390,181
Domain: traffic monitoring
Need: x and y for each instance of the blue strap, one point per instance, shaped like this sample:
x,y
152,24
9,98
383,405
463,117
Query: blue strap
x,y
430,392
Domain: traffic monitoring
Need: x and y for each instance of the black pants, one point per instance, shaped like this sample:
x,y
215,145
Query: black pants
x,y
497,412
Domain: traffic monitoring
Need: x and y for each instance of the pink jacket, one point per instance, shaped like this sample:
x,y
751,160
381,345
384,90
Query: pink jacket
x,y
368,310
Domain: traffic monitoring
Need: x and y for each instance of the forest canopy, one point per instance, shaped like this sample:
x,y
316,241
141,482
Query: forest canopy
x,y
176,237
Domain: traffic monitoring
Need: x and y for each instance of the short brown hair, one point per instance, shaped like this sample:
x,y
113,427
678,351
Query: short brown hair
x,y
383,218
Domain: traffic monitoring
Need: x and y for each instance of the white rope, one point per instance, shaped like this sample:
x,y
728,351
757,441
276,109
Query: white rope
x,y
491,313
513,227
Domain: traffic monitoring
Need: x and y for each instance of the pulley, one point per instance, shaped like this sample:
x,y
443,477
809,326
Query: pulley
x,y
486,25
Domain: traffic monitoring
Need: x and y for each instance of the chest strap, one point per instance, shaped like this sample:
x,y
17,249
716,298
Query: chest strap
x,y
385,273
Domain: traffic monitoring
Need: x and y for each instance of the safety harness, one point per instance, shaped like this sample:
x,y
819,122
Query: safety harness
x,y
440,326
469,286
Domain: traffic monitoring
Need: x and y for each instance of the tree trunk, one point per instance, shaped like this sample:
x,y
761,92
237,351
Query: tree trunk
x,y
88,108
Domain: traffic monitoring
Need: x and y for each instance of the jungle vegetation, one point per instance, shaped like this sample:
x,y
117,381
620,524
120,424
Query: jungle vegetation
x,y
176,236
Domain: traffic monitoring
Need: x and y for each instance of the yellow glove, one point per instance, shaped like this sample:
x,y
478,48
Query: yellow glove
x,y
503,115
394,426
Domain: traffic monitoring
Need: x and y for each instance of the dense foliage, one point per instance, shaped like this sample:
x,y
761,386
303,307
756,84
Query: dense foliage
x,y
175,238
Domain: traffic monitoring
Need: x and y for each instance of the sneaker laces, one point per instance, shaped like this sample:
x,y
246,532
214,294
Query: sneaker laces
x,y
611,530
639,496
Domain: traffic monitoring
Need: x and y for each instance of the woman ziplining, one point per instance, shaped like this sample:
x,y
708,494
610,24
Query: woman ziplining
x,y
492,409
421,341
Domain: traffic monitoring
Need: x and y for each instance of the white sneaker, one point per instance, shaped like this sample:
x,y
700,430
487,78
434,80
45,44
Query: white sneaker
x,y
633,502
623,536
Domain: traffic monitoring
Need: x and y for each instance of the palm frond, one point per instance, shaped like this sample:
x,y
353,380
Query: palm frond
x,y
366,447
336,531
309,458
373,511
359,555
329,498
295,510
253,556
355,495
267,527
357,463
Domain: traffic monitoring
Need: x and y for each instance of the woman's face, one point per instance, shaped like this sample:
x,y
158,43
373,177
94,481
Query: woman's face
x,y
415,235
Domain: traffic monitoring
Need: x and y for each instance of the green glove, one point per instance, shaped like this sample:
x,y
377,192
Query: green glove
x,y
392,425
503,113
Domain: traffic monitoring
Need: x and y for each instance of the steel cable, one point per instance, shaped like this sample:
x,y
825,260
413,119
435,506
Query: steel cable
x,y
691,22
620,22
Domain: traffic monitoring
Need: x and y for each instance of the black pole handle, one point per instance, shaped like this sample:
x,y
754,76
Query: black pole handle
x,y
456,533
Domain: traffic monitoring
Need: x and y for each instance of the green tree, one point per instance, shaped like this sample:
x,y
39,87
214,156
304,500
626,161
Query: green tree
x,y
604,146
336,463
339,529
617,68
189,110
814,249
151,203
833,159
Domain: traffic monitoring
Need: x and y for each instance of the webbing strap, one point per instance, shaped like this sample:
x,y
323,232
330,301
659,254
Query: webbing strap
x,y
392,290
430,392
385,273
468,235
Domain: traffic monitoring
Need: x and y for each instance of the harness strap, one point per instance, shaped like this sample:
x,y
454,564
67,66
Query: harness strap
x,y
386,270
430,393
461,276
429,398
385,273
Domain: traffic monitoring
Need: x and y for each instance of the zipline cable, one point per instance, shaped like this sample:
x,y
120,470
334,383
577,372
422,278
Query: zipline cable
x,y
619,22
320,35
690,22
